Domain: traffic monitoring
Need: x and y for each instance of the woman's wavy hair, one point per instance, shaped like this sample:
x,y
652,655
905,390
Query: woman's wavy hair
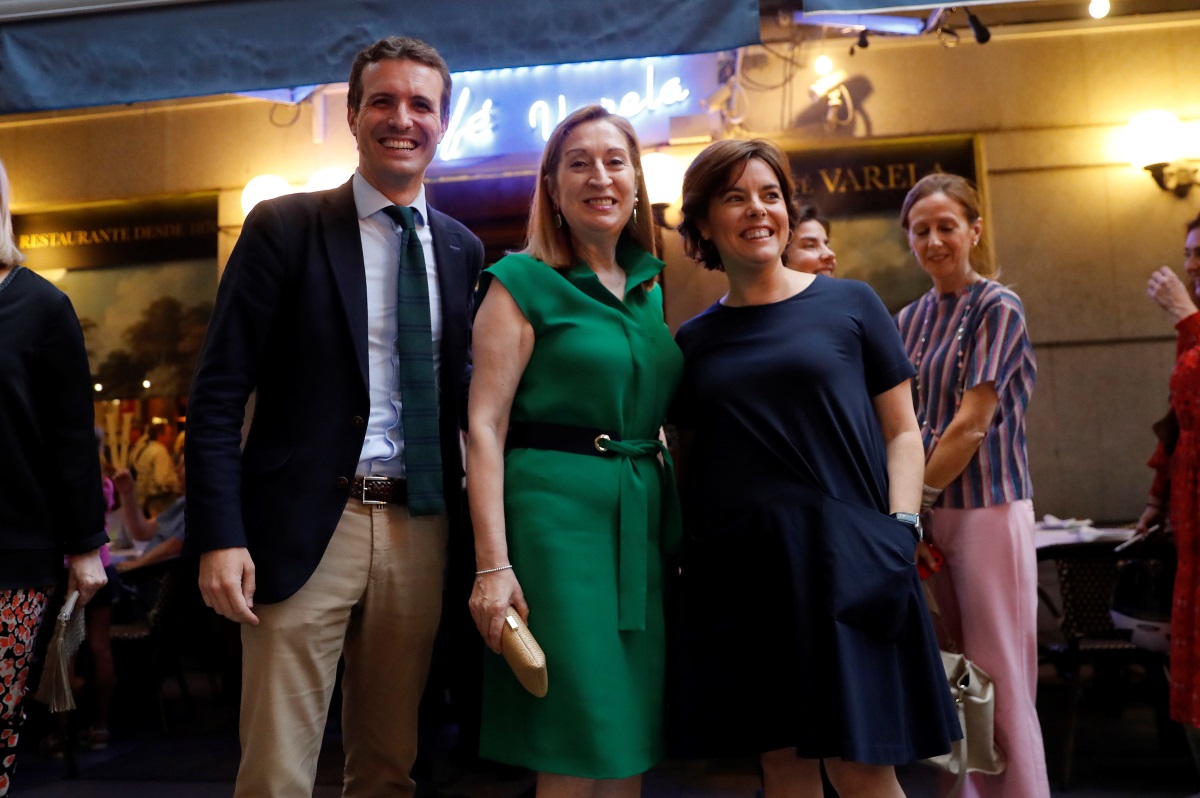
x,y
550,243
717,168
963,192
9,254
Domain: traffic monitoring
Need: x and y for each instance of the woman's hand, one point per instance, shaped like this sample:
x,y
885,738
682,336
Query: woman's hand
x,y
491,597
85,574
123,482
926,556
1152,516
1170,294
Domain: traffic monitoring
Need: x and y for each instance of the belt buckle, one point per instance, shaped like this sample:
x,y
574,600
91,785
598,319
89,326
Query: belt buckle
x,y
367,480
601,439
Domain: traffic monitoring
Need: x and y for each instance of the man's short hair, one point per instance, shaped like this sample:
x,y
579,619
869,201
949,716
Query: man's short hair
x,y
400,48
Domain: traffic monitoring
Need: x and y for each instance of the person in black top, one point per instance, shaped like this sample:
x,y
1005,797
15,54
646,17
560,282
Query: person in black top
x,y
805,635
52,501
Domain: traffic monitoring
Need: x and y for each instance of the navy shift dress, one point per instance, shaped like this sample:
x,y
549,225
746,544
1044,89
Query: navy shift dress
x,y
786,448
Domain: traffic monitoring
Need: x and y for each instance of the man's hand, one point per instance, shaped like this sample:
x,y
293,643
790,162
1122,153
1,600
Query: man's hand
x,y
227,583
85,574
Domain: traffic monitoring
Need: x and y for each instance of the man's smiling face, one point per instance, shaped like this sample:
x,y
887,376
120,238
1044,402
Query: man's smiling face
x,y
398,125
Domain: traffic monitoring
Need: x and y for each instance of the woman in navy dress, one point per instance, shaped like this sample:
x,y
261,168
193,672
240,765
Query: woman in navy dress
x,y
805,634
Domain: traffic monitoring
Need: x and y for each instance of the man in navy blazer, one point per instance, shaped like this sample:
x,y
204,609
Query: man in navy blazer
x,y
305,536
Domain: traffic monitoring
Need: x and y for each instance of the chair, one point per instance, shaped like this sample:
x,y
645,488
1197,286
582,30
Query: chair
x,y
152,643
1087,575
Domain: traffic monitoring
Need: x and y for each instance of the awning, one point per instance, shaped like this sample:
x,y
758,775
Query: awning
x,y
869,6
160,52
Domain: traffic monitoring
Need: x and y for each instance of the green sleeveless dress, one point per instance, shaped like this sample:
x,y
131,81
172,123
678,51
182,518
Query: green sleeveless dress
x,y
586,533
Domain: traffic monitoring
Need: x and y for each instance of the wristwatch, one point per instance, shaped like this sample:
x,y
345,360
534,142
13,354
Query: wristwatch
x,y
913,520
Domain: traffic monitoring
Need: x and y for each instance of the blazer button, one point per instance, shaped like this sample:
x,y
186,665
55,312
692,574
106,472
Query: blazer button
x,y
342,482
357,421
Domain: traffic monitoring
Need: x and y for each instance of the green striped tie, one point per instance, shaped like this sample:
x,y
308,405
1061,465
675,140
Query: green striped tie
x,y
417,383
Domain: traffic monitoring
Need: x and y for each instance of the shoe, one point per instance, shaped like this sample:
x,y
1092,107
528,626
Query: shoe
x,y
94,737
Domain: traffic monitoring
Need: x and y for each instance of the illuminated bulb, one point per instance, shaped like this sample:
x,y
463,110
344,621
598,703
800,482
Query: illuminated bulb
x,y
263,187
1099,9
145,383
329,177
823,65
97,387
664,177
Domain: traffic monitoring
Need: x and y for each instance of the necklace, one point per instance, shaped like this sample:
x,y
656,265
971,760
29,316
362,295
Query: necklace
x,y
931,301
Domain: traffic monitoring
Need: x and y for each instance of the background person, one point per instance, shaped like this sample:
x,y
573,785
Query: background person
x,y
975,373
808,250
1177,469
798,406
163,533
157,484
51,502
571,344
326,538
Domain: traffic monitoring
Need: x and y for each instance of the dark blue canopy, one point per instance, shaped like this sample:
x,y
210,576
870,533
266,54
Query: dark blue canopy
x,y
168,51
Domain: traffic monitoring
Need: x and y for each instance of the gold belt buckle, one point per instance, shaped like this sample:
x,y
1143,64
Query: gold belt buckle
x,y
598,442
367,480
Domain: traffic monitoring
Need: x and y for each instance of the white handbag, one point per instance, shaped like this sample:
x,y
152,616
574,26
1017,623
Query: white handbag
x,y
975,698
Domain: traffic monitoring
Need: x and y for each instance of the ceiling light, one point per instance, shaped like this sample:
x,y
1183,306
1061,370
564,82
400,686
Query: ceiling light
x,y
1099,9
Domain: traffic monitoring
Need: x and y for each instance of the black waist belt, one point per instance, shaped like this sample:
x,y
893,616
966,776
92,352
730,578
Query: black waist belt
x,y
558,438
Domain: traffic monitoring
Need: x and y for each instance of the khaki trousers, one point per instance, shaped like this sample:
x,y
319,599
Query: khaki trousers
x,y
375,599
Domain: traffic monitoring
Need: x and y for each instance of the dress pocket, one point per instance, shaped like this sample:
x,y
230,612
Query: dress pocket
x,y
869,558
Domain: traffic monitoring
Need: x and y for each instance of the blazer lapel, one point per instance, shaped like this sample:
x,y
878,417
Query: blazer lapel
x,y
343,243
452,281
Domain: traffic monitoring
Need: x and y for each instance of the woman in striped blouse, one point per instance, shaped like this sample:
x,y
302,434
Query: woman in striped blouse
x,y
975,372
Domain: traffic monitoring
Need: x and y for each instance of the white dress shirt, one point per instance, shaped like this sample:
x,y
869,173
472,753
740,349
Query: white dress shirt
x,y
383,449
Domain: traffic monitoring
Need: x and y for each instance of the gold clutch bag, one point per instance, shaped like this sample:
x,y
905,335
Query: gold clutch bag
x,y
523,654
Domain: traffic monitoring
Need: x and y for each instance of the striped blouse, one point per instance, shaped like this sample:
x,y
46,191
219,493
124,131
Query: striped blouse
x,y
961,340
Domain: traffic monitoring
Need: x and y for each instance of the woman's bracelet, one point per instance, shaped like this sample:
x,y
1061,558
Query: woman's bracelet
x,y
1154,504
929,496
493,570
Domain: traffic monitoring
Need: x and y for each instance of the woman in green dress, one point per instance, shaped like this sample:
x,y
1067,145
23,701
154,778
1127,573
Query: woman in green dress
x,y
570,488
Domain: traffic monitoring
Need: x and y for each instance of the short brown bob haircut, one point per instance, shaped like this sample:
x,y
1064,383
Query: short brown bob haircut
x,y
717,168
400,48
551,243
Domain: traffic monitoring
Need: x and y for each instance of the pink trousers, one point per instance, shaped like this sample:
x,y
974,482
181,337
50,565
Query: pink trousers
x,y
987,594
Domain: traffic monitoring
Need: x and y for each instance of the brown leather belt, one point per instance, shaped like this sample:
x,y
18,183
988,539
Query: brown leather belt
x,y
372,489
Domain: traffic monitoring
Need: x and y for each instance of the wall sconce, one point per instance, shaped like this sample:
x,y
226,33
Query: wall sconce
x,y
1158,142
664,177
266,187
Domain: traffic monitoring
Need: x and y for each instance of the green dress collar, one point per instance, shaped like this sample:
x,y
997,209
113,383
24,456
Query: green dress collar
x,y
639,266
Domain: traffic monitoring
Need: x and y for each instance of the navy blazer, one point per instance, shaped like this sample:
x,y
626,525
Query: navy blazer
x,y
290,324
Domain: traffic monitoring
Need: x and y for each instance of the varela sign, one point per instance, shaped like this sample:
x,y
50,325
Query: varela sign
x,y
873,177
514,110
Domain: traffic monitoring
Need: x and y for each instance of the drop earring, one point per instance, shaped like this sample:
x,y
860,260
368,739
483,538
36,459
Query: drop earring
x,y
557,218
635,207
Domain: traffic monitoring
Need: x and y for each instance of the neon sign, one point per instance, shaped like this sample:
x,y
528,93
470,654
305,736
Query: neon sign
x,y
514,110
